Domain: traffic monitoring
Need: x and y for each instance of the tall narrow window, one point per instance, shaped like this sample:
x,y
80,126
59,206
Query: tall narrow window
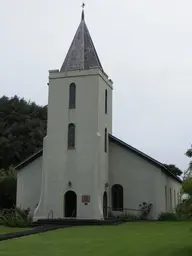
x,y
171,207
166,199
105,140
178,198
175,203
117,197
105,101
72,96
71,136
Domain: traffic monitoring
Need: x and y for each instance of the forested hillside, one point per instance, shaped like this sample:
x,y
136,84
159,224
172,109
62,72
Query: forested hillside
x,y
22,128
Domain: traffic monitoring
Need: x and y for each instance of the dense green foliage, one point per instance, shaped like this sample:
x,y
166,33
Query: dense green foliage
x,y
22,128
130,239
8,183
17,218
187,184
167,216
184,209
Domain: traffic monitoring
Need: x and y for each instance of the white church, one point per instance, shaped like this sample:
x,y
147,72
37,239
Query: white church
x,y
83,171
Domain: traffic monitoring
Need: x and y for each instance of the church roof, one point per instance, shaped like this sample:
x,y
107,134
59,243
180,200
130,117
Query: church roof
x,y
143,155
29,159
82,54
120,143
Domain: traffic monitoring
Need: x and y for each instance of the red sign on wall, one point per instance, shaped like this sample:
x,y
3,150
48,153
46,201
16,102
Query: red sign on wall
x,y
85,199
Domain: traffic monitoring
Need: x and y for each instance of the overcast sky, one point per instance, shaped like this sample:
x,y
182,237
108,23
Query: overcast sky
x,y
145,47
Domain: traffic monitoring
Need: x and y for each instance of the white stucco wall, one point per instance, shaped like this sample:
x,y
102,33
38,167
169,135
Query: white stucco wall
x,y
29,185
86,165
141,180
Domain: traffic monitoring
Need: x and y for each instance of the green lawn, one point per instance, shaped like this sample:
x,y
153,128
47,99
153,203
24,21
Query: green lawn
x,y
149,239
5,230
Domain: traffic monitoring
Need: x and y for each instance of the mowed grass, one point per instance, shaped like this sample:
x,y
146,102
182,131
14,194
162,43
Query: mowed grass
x,y
141,238
6,230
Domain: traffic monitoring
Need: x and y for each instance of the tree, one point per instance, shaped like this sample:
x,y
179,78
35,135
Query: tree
x,y
8,183
184,208
187,179
188,173
173,169
187,186
22,129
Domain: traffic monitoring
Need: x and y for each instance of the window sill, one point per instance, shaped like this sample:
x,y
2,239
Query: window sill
x,y
71,148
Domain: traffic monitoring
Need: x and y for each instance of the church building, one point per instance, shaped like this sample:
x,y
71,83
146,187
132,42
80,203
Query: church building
x,y
83,171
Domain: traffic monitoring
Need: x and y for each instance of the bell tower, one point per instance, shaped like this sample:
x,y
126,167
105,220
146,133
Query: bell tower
x,y
75,151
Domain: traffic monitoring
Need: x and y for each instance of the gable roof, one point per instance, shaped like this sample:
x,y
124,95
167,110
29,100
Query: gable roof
x,y
120,143
29,160
144,156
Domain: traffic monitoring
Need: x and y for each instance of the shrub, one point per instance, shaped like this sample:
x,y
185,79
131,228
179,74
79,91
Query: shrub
x,y
145,210
123,216
17,218
167,216
187,186
184,209
8,184
1,221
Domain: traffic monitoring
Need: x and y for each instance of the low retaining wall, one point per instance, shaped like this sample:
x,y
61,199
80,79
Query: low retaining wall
x,y
33,231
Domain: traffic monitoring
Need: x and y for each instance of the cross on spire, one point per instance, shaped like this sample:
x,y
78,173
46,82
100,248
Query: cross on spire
x,y
82,54
82,15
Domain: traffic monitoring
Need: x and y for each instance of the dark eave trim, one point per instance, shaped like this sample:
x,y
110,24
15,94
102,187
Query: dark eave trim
x,y
29,160
144,156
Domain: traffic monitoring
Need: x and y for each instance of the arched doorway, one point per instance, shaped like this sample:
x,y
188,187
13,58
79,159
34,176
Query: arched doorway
x,y
105,204
117,197
70,204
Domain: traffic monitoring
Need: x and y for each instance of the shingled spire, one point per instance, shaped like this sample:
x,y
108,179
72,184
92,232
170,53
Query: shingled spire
x,y
82,54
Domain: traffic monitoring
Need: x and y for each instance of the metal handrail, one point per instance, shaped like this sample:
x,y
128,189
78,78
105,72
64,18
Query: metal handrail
x,y
124,209
50,212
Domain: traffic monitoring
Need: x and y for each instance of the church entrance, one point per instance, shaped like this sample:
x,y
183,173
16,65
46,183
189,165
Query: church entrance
x,y
70,204
105,204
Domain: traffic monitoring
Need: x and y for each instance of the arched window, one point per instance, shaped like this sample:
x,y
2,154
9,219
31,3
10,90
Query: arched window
x,y
71,136
105,140
72,96
105,101
117,197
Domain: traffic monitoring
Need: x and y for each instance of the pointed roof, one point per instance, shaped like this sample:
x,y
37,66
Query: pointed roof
x,y
82,54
